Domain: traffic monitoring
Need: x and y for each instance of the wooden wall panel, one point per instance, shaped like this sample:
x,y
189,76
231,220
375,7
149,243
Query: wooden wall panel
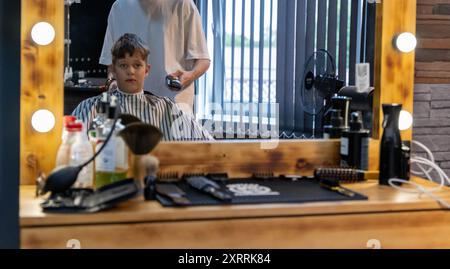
x,y
394,79
242,159
433,33
41,86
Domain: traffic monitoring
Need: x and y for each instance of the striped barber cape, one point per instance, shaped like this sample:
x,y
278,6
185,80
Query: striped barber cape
x,y
160,112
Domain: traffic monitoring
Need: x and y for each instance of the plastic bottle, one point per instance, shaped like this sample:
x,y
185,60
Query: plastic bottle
x,y
355,145
341,103
68,135
66,121
112,163
80,152
391,145
336,127
101,117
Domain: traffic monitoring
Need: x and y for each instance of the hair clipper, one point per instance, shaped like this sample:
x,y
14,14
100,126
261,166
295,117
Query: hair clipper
x,y
173,83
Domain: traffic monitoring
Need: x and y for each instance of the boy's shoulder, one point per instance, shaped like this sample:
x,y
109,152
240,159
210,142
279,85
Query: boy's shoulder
x,y
158,98
90,101
86,105
94,98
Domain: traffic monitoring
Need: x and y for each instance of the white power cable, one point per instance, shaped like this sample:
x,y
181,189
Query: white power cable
x,y
419,189
430,155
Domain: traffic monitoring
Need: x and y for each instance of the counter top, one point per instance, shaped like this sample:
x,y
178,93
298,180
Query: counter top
x,y
392,218
381,199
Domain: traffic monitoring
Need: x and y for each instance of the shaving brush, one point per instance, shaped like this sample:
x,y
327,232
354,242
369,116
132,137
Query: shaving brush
x,y
150,165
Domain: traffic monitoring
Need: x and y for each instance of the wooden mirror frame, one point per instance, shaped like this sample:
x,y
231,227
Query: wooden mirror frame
x,y
42,87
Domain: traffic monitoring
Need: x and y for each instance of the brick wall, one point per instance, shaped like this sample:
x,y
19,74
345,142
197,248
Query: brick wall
x,y
432,78
433,48
432,121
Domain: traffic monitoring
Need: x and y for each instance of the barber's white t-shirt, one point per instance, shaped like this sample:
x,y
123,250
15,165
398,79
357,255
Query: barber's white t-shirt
x,y
173,32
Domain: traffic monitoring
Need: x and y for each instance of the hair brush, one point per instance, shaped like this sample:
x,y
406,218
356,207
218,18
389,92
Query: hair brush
x,y
345,175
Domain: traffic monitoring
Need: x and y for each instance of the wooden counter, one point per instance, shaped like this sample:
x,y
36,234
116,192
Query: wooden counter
x,y
395,219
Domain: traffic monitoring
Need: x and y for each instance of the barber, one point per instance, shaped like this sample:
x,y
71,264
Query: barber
x,y
173,31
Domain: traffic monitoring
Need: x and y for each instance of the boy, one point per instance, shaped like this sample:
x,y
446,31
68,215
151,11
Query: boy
x,y
130,68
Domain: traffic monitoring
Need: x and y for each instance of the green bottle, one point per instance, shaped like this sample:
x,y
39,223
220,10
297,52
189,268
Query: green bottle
x,y
111,165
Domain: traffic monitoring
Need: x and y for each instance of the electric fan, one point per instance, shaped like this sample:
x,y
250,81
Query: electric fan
x,y
319,84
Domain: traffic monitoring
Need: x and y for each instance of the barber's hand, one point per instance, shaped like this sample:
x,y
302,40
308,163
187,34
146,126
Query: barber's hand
x,y
113,86
110,85
185,77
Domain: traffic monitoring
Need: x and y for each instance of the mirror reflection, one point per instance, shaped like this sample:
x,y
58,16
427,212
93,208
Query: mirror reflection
x,y
258,68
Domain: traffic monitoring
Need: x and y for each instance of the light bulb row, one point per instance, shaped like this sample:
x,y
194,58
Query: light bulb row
x,y
405,42
43,34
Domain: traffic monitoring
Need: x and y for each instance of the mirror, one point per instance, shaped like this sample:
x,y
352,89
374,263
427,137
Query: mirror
x,y
244,36
42,84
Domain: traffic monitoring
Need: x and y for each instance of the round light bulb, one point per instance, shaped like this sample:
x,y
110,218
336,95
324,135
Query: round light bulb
x,y
406,42
43,33
43,121
405,121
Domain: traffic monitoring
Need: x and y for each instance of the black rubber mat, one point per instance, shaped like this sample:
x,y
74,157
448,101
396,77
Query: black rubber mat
x,y
263,192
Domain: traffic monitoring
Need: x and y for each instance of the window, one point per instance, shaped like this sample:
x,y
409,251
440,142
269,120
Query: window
x,y
259,49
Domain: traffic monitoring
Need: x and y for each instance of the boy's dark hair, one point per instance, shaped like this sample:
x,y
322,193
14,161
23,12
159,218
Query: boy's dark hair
x,y
129,44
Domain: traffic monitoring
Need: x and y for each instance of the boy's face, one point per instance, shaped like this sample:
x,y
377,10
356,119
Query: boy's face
x,y
130,73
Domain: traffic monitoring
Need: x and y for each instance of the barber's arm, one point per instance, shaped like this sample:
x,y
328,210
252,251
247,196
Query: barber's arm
x,y
187,77
112,84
